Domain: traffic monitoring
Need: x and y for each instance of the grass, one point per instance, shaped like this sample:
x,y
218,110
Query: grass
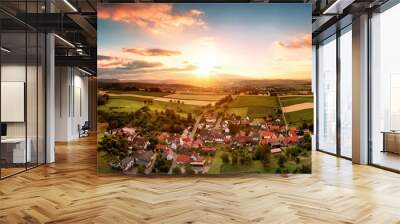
x,y
239,111
255,101
256,166
101,128
254,106
132,104
292,100
297,118
102,165
122,104
258,112
215,167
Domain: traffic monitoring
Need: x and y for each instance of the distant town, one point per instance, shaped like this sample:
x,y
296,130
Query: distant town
x,y
185,130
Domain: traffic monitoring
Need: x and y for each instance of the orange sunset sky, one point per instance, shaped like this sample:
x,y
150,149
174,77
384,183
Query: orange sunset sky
x,y
204,42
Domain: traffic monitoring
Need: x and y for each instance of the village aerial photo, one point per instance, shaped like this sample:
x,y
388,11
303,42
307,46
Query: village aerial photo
x,y
194,93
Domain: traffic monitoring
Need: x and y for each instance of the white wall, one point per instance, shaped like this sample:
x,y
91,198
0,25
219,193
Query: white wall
x,y
33,127
71,102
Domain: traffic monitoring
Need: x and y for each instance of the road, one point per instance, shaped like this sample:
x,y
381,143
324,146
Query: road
x,y
283,113
196,126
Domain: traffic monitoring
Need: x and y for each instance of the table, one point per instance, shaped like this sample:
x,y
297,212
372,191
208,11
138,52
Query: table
x,y
13,150
391,141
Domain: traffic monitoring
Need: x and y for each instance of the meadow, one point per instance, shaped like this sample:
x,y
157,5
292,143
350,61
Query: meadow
x,y
292,100
254,106
297,118
256,166
131,104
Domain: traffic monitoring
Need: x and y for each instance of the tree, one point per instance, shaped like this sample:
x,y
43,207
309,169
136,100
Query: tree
x,y
116,146
235,158
225,158
102,99
233,128
263,153
305,168
161,165
189,117
307,138
176,170
141,169
281,161
189,170
247,158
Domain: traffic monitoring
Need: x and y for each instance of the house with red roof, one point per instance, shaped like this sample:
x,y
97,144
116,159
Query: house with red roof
x,y
274,128
182,159
292,139
208,149
163,137
197,160
198,143
161,147
266,135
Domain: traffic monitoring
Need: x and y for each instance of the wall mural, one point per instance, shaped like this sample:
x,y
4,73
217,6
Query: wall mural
x,y
204,89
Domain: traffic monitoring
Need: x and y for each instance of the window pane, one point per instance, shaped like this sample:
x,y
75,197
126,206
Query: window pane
x,y
385,84
346,93
327,96
13,85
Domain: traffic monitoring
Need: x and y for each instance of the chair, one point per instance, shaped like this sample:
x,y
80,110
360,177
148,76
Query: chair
x,y
84,130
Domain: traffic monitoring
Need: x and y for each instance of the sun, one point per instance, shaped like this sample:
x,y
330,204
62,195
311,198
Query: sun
x,y
207,62
206,65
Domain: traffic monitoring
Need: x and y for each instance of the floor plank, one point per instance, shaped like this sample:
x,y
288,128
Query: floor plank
x,y
70,191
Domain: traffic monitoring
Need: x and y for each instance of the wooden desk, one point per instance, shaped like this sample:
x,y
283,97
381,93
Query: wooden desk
x,y
391,141
13,150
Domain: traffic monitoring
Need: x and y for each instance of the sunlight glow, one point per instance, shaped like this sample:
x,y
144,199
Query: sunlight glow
x,y
207,59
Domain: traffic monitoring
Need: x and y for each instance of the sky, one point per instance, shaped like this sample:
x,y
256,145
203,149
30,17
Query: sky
x,y
201,43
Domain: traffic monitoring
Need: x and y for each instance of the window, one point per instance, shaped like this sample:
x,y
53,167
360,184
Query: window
x,y
22,79
385,89
346,92
327,95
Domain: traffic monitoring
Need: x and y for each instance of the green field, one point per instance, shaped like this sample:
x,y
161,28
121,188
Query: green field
x,y
215,167
297,118
132,104
255,101
258,112
254,106
256,166
240,111
292,100
102,165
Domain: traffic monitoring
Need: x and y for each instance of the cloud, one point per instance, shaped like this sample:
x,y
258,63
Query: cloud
x,y
136,65
118,64
104,57
105,61
135,70
156,18
301,41
152,52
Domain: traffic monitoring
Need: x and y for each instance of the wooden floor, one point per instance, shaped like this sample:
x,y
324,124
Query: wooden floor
x,y
70,191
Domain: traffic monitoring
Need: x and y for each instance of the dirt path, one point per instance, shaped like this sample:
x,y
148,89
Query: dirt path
x,y
297,107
